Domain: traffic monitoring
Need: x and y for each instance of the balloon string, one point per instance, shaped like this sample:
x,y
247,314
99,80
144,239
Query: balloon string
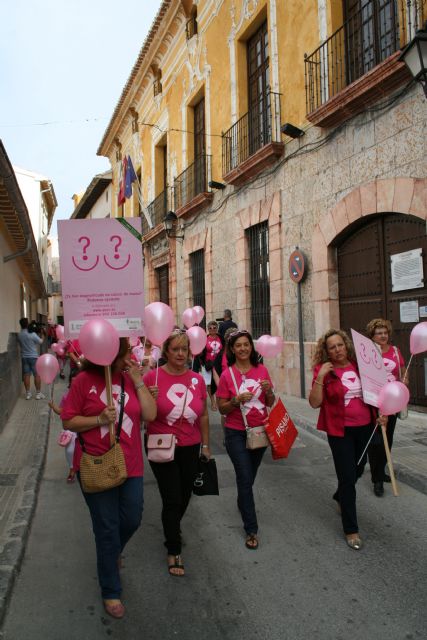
x,y
369,441
405,377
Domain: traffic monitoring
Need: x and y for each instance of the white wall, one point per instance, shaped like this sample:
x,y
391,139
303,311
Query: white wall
x,y
10,294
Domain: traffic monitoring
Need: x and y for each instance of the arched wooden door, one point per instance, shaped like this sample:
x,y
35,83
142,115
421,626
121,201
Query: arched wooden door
x,y
366,287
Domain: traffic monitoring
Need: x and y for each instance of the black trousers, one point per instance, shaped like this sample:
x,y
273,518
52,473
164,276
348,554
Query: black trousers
x,y
175,480
346,452
376,450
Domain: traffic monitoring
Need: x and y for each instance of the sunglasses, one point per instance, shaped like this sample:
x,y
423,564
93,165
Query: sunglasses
x,y
240,332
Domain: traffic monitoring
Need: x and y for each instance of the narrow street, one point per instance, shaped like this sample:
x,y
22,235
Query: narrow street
x,y
303,582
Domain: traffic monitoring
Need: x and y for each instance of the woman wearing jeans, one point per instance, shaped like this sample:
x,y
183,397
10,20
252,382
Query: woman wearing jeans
x,y
253,395
116,513
181,410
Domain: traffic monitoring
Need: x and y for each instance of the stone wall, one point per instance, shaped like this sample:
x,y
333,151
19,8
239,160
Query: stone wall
x,y
10,379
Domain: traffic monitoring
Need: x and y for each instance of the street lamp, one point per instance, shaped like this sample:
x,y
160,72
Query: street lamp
x,y
414,55
170,223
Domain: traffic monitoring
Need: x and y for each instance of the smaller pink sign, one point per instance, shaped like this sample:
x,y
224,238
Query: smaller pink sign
x,y
371,367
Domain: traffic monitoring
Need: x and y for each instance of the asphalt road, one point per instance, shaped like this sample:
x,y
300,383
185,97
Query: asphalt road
x,y
302,583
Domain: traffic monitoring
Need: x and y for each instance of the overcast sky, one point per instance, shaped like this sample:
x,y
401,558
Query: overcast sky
x,y
63,65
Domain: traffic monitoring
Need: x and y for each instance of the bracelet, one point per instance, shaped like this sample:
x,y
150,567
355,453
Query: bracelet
x,y
319,383
139,385
205,446
98,421
234,401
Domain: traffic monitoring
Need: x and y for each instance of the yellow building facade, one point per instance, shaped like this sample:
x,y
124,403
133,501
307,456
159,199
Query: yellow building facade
x,y
257,128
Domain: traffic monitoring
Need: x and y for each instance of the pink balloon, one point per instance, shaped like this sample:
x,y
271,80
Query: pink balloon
x,y
62,343
393,397
418,339
60,352
59,332
55,346
189,318
262,344
198,338
159,322
47,367
99,341
134,341
199,313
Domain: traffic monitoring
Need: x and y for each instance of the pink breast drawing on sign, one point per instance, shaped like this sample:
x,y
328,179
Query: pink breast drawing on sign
x,y
116,255
85,264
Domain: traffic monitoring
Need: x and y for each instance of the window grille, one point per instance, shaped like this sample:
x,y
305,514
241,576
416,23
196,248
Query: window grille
x,y
163,282
197,263
259,279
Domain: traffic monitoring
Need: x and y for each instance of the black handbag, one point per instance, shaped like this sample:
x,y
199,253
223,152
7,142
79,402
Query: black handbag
x,y
206,480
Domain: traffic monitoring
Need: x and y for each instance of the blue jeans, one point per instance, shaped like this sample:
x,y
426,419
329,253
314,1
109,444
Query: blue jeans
x,y
245,463
116,515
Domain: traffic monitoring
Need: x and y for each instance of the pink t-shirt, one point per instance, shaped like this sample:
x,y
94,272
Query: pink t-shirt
x,y
88,397
255,409
213,347
356,412
391,363
172,415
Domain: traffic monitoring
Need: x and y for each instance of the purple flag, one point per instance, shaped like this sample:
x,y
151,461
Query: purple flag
x,y
130,177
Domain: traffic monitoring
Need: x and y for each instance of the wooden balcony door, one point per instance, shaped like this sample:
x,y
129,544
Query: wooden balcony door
x,y
258,89
199,148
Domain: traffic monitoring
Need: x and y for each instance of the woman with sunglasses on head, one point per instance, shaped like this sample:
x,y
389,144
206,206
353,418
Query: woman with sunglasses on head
x,y
379,331
347,420
253,395
116,513
181,410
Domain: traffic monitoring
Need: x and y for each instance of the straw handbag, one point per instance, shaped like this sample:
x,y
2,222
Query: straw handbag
x,y
106,471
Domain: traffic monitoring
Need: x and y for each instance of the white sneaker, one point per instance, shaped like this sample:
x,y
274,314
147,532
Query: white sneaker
x,y
40,396
28,395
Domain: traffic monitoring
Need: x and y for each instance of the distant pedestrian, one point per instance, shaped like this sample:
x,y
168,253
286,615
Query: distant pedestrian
x,y
214,346
226,323
379,331
30,342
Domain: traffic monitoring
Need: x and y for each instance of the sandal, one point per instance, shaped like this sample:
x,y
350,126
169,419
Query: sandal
x,y
114,608
176,564
354,542
251,542
71,478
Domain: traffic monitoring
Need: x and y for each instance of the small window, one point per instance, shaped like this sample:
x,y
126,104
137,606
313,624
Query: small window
x,y
157,87
191,27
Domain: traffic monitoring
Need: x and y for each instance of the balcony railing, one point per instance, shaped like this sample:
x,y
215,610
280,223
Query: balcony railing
x,y
156,210
369,36
258,127
193,181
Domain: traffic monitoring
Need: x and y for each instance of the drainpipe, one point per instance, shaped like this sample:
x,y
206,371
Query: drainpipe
x,y
18,254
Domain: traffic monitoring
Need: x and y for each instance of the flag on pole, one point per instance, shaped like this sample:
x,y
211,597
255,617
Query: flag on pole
x,y
121,197
130,177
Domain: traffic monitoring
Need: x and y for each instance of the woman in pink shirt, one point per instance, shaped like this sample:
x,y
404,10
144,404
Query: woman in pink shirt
x,y
253,395
116,513
379,331
181,410
347,420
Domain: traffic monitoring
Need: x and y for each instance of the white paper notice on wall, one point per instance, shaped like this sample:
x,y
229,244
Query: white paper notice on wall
x,y
407,270
423,312
409,311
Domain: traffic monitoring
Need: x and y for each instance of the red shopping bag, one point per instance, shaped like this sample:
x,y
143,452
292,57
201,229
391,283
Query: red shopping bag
x,y
281,431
